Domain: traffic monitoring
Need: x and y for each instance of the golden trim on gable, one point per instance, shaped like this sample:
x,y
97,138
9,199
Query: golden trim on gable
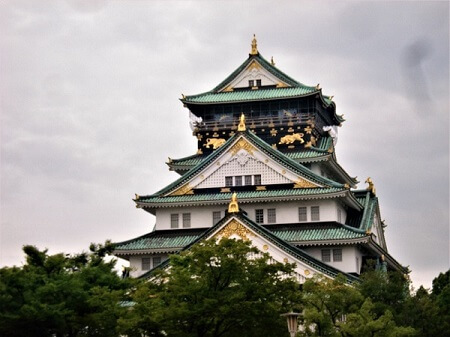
x,y
235,227
242,144
186,189
302,183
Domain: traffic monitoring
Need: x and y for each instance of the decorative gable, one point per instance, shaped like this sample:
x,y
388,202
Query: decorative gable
x,y
254,76
236,229
243,159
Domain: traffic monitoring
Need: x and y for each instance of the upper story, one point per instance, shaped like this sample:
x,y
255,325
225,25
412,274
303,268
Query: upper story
x,y
293,118
275,106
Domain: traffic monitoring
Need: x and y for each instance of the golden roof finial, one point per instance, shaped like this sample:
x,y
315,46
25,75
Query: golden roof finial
x,y
241,126
272,62
233,207
254,46
371,186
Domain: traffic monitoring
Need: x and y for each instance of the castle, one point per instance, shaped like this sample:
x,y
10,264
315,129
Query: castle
x,y
266,171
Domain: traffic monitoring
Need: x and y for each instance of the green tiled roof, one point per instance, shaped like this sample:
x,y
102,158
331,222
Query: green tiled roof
x,y
290,249
177,239
165,239
249,95
243,195
267,65
295,89
316,232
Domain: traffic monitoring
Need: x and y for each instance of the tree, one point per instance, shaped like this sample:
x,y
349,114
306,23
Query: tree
x,y
61,295
334,308
225,288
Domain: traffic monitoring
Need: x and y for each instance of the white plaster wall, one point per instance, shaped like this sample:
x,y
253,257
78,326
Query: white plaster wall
x,y
286,212
351,257
254,73
240,166
136,263
201,217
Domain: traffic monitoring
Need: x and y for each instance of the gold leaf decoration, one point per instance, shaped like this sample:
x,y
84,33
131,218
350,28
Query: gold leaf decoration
x,y
242,144
302,183
235,227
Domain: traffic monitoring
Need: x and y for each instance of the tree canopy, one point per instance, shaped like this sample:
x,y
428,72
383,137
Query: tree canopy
x,y
225,288
216,289
61,295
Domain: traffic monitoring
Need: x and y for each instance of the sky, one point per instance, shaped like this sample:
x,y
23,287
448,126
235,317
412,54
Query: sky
x,y
90,108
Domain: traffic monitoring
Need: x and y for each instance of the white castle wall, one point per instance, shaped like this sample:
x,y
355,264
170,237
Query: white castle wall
x,y
286,212
351,257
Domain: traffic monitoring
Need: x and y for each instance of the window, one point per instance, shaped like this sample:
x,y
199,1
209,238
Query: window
x,y
271,215
228,181
302,214
259,215
337,255
257,178
251,83
145,263
258,83
326,255
216,217
315,213
156,261
248,180
339,215
173,220
186,220
238,181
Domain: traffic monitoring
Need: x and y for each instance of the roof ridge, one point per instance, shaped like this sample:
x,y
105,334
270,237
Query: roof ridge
x,y
265,64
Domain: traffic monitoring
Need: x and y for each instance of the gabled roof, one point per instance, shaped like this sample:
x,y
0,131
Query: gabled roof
x,y
305,234
319,152
264,233
211,198
248,137
286,88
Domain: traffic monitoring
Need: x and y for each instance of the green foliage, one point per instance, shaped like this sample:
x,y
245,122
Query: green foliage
x,y
61,295
333,308
214,289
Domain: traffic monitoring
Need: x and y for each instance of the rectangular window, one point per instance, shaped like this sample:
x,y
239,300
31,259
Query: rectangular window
x,y
228,181
186,220
315,213
216,217
271,215
326,255
339,215
145,263
251,83
337,255
238,181
258,83
302,214
257,179
173,220
259,215
248,180
156,261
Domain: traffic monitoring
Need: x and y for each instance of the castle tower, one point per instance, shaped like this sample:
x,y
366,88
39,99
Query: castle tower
x,y
267,143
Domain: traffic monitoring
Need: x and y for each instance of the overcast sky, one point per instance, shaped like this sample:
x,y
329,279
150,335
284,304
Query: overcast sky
x,y
90,109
